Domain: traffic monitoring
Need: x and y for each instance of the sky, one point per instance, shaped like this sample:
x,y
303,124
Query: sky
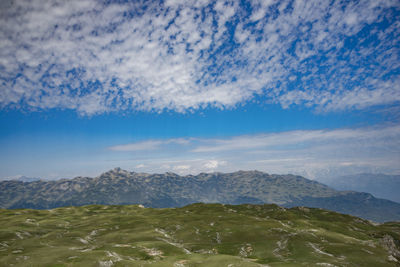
x,y
303,87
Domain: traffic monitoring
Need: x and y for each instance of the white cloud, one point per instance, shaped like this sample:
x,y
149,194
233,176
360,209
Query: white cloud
x,y
140,166
181,168
97,58
145,145
213,164
286,139
149,144
313,153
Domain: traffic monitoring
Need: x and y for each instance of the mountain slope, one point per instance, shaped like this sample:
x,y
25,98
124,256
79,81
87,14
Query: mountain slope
x,y
195,235
380,185
160,190
357,204
171,190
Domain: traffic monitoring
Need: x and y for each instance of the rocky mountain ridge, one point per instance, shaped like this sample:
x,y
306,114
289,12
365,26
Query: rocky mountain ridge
x,y
118,186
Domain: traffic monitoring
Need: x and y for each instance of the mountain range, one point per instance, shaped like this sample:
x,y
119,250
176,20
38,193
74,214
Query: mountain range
x,y
378,184
120,187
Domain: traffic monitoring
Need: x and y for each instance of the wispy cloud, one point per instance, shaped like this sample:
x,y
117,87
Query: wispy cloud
x,y
184,55
146,145
292,139
149,144
313,153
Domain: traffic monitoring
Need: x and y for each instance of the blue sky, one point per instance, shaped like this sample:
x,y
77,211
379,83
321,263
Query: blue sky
x,y
305,87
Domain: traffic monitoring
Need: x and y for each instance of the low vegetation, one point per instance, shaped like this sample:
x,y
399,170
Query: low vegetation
x,y
194,235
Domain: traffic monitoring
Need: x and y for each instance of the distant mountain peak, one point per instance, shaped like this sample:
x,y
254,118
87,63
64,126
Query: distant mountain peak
x,y
119,170
116,171
23,178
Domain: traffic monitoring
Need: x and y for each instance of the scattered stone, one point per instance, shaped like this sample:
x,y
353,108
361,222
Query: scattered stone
x,y
197,231
369,252
246,250
391,245
180,263
283,224
19,235
114,255
318,250
204,251
93,233
108,263
282,244
87,249
153,252
84,241
218,238
24,258
31,221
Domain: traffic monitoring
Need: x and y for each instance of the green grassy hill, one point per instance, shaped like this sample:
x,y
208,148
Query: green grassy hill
x,y
195,235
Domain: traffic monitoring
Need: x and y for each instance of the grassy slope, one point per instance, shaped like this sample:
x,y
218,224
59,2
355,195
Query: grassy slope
x,y
195,235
